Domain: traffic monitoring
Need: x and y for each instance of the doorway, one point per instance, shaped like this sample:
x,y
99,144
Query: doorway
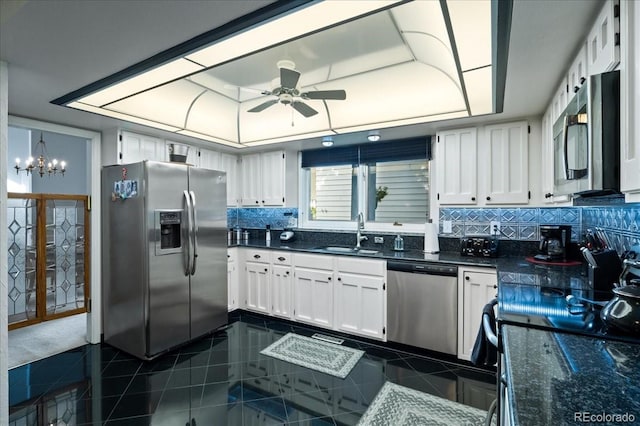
x,y
77,275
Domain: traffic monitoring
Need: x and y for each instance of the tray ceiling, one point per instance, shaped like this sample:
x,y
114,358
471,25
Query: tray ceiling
x,y
398,62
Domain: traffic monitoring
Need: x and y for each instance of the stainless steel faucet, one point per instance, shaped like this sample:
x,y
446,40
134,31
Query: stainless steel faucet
x,y
360,227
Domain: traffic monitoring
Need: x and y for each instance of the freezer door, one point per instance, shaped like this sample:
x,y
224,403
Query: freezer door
x,y
124,262
168,316
209,271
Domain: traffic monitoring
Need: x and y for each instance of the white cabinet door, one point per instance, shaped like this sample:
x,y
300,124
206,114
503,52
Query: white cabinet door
x,y
251,172
263,179
546,157
507,170
456,166
476,287
208,159
229,163
578,73
135,148
602,51
630,117
273,168
281,288
313,296
233,290
359,304
257,290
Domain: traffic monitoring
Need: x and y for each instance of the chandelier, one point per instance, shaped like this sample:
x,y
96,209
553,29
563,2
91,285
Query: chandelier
x,y
41,164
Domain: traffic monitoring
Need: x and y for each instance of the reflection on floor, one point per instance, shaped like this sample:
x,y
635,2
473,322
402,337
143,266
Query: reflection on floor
x,y
223,379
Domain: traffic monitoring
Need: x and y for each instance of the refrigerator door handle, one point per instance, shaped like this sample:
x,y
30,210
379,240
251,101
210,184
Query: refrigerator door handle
x,y
187,251
194,232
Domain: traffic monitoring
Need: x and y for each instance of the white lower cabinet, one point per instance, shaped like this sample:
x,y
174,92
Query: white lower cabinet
x,y
233,288
257,280
313,296
341,293
281,287
476,287
360,297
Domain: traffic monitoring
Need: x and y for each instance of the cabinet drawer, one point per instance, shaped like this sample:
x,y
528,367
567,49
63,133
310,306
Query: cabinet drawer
x,y
280,258
314,261
253,255
362,266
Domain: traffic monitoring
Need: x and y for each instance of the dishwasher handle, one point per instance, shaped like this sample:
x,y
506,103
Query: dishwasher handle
x,y
423,268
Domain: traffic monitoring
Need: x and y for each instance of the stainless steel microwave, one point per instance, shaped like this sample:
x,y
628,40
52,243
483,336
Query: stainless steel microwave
x,y
586,139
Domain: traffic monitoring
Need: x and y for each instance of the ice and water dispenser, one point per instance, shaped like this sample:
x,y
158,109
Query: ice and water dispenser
x,y
169,224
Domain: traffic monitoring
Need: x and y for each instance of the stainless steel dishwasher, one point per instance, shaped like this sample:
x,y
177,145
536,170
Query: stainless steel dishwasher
x,y
422,305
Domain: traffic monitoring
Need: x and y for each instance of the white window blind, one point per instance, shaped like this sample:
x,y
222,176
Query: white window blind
x,y
407,185
331,192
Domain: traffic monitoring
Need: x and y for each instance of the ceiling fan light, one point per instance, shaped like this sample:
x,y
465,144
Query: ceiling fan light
x,y
327,141
374,136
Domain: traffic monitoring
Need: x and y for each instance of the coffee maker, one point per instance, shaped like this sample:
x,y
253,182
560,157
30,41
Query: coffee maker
x,y
554,243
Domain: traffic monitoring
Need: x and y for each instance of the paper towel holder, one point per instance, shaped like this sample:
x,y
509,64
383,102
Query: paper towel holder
x,y
431,244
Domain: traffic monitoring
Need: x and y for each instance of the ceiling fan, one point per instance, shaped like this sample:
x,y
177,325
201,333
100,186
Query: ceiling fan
x,y
287,93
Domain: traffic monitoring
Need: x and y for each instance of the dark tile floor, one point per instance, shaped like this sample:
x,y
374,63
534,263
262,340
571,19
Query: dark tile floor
x,y
223,379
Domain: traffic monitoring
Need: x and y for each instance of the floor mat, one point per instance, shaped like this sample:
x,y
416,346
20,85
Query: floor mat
x,y
400,406
315,354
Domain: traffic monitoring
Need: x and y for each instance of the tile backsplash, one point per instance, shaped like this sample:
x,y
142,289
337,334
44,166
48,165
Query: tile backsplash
x,y
259,218
620,222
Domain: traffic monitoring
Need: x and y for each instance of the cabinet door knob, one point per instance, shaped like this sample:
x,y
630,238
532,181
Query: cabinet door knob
x,y
266,269
466,277
473,198
548,195
262,201
339,279
329,279
488,198
281,259
257,202
256,256
287,272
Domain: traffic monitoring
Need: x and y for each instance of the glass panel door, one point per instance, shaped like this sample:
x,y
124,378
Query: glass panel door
x,y
47,257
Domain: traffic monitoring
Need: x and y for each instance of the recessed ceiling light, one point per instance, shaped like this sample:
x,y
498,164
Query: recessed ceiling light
x,y
374,136
327,141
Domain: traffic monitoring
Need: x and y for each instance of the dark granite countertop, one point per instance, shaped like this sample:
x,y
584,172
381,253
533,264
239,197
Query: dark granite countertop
x,y
551,377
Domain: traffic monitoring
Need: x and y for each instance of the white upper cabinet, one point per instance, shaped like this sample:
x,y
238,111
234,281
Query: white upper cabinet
x,y
630,118
456,166
603,47
507,170
263,182
229,163
547,156
134,147
251,172
578,72
208,159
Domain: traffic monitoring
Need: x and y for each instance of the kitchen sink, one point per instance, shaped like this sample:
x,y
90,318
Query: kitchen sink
x,y
341,249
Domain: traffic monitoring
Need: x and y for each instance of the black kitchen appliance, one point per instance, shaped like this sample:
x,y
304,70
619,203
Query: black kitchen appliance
x,y
554,243
479,246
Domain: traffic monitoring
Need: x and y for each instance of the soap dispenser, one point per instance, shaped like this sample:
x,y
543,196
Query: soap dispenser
x,y
398,243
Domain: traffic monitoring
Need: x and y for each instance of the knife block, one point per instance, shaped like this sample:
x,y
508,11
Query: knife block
x,y
602,278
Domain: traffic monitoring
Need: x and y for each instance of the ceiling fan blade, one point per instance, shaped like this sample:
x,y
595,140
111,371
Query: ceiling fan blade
x,y
339,95
304,109
263,106
289,78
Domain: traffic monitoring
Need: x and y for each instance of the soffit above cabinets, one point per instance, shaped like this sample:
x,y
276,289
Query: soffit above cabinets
x,y
398,62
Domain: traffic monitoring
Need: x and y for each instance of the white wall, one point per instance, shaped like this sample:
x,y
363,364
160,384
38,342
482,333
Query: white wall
x,y
4,351
75,151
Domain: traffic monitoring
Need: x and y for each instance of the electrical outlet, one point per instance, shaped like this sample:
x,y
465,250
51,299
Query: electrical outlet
x,y
447,227
378,240
494,228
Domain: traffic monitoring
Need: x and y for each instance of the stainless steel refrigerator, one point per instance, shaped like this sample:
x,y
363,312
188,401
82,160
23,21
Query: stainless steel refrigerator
x,y
164,261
